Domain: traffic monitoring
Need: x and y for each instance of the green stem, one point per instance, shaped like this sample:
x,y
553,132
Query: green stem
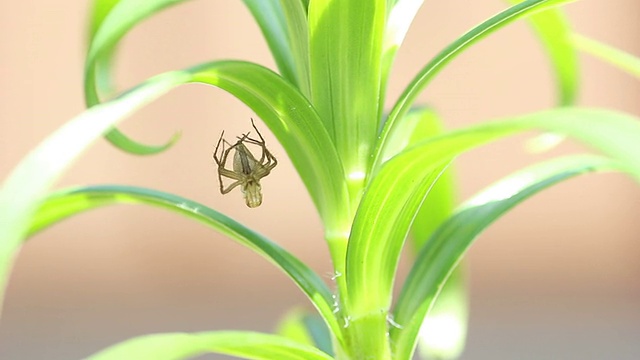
x,y
338,251
368,337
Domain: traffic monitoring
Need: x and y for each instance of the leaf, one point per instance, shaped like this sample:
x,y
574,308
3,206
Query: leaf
x,y
445,248
306,328
175,346
553,30
66,203
285,28
111,24
26,186
382,222
283,108
294,122
386,212
399,18
298,25
345,49
444,330
99,11
396,191
440,202
288,113
618,58
449,53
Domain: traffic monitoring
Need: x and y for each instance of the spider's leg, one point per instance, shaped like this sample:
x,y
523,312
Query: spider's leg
x,y
254,126
230,187
270,156
215,152
229,174
243,137
222,171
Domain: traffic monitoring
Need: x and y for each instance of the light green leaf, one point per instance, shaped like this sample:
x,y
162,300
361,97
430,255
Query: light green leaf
x,y
296,125
553,30
281,106
70,202
434,66
98,12
107,29
346,48
177,346
298,25
382,222
399,18
306,328
445,248
616,57
99,9
285,28
444,330
424,123
26,186
396,191
287,112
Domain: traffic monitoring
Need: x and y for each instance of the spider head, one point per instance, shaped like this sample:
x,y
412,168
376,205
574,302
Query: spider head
x,y
252,193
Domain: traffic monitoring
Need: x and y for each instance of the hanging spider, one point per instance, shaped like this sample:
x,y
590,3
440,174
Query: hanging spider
x,y
247,170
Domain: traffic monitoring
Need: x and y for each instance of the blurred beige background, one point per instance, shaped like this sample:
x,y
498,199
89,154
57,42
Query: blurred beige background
x,y
557,278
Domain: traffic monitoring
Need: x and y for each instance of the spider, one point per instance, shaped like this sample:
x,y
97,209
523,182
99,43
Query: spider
x,y
247,171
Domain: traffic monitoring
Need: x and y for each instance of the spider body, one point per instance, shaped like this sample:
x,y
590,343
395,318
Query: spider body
x,y
247,171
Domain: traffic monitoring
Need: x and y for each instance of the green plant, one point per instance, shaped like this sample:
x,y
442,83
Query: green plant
x,y
371,185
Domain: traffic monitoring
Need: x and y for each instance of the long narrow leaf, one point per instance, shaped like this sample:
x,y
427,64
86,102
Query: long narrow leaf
x,y
553,30
106,30
280,105
399,19
296,14
380,225
98,12
439,205
346,49
386,212
295,123
283,108
306,328
443,251
28,183
444,331
177,346
70,202
284,26
434,66
616,57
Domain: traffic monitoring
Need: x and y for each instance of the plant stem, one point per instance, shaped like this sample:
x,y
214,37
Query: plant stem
x,y
368,337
